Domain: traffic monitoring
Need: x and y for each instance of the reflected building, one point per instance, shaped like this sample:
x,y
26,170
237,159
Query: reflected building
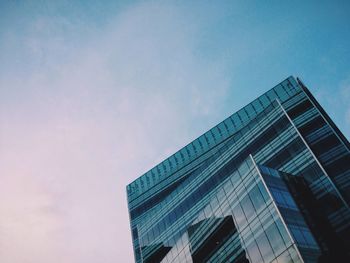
x,y
271,183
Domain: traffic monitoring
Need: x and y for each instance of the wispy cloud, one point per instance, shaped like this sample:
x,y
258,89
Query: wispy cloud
x,y
81,119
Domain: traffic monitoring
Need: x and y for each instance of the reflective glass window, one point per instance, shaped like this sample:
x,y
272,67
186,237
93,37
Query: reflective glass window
x,y
289,200
257,198
264,247
271,94
275,238
263,192
243,115
247,207
250,110
281,92
257,105
308,237
283,232
285,257
239,215
236,120
264,100
254,252
297,235
278,197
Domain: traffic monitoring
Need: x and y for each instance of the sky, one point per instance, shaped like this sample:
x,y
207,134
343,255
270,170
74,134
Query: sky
x,y
95,93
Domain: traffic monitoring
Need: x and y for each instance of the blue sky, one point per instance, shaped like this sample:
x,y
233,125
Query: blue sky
x,y
95,93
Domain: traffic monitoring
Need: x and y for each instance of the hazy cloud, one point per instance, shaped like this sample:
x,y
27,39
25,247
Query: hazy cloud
x,y
81,119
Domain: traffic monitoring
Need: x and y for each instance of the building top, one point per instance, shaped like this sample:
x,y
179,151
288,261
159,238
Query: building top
x,y
211,138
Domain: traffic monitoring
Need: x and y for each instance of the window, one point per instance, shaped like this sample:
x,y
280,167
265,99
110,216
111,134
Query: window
x,y
275,238
239,216
264,247
257,198
254,253
247,207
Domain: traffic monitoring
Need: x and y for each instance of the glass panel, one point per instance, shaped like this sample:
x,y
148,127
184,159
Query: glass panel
x,y
278,197
275,238
265,248
264,100
264,192
254,253
236,120
250,110
285,258
297,235
283,232
235,179
247,207
271,94
289,200
239,215
229,125
257,105
256,198
294,255
281,93
243,168
243,115
309,238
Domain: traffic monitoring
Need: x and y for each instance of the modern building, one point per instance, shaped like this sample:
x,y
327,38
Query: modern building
x,y
271,183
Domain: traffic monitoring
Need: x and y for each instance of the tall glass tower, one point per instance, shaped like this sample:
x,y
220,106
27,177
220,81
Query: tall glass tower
x,y
271,183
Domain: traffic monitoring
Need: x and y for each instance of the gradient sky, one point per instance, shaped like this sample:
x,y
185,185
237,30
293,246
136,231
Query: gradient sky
x,y
95,93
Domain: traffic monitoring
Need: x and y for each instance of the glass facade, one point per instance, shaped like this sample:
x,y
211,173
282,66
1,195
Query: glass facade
x,y
271,183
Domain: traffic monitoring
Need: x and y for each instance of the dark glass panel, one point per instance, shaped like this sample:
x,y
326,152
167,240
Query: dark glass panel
x,y
339,166
155,199
299,109
284,155
134,233
297,235
209,246
157,255
325,144
312,125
